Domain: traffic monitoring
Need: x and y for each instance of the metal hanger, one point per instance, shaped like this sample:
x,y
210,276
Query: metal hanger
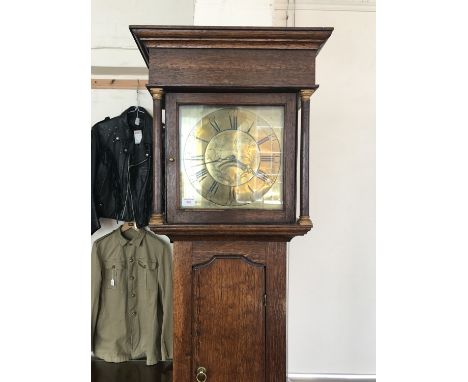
x,y
137,108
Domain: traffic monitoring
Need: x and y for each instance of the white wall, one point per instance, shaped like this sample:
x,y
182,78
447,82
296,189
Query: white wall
x,y
331,312
331,318
111,41
233,12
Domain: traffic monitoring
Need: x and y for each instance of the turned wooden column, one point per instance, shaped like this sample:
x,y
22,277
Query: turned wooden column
x,y
157,217
304,218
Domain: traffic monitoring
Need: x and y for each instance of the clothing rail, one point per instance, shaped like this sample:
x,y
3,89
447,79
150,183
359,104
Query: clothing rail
x,y
109,83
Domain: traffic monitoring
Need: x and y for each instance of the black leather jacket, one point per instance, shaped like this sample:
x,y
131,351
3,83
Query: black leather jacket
x,y
121,168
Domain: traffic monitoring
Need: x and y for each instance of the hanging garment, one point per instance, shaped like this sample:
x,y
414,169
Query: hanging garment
x,y
131,279
121,168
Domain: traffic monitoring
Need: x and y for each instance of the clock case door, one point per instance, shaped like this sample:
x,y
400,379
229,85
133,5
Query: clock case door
x,y
175,214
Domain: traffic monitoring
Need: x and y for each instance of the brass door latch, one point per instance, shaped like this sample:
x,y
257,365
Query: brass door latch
x,y
201,374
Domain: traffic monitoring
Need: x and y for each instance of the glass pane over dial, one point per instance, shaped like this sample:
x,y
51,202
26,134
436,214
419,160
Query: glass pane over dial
x,y
231,157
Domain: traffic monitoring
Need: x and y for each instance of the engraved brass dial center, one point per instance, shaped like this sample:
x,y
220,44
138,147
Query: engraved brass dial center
x,y
232,157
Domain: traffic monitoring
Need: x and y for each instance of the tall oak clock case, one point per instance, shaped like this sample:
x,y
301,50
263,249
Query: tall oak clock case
x,y
225,166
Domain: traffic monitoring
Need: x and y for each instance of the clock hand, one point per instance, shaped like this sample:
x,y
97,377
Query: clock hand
x,y
216,160
212,161
257,173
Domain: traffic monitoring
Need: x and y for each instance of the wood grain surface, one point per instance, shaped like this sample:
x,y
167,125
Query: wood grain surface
x,y
230,68
158,164
148,37
229,290
238,232
230,299
182,280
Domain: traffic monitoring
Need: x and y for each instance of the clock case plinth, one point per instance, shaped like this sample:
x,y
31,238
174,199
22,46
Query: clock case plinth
x,y
230,276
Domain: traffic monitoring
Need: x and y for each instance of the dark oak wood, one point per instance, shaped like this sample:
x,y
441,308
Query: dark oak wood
x,y
232,310
230,57
194,37
229,289
276,310
158,164
175,214
230,265
182,280
304,218
257,232
232,68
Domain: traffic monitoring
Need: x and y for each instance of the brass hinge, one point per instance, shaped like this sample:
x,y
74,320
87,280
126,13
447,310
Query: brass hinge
x,y
264,299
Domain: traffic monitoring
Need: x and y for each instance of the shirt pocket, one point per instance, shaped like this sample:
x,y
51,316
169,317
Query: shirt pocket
x,y
150,271
114,274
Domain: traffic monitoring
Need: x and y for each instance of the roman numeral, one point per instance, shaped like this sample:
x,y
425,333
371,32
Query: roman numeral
x,y
201,174
265,139
263,176
233,121
213,188
215,125
269,157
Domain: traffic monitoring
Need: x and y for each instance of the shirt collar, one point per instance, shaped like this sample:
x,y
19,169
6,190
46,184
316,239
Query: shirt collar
x,y
124,241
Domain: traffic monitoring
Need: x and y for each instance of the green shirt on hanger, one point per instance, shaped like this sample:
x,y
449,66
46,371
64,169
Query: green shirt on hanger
x,y
131,281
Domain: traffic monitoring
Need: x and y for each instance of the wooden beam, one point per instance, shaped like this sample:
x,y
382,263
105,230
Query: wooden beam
x,y
118,84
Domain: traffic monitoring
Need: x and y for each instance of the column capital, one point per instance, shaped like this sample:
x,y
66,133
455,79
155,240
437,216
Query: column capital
x,y
306,94
156,93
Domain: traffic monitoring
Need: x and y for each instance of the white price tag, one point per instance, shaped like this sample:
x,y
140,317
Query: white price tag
x,y
188,202
138,135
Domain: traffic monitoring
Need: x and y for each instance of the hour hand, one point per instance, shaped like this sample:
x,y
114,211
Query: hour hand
x,y
228,158
243,166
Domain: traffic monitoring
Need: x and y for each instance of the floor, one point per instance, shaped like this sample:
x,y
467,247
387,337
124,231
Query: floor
x,y
134,371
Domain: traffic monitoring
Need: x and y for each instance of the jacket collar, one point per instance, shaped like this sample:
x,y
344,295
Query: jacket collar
x,y
124,241
143,114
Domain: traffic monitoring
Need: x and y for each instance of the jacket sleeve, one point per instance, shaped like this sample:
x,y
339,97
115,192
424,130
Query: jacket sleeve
x,y
95,290
165,291
95,225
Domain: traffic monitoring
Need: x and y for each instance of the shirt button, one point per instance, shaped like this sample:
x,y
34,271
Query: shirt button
x,y
131,259
133,294
132,277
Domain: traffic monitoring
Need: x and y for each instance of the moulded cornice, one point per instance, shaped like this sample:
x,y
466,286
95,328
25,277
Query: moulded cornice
x,y
192,37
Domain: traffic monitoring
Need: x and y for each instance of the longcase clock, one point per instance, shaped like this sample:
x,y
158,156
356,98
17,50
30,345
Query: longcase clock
x,y
224,181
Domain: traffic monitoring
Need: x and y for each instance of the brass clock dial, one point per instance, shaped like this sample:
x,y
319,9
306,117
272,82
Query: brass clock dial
x,y
232,157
